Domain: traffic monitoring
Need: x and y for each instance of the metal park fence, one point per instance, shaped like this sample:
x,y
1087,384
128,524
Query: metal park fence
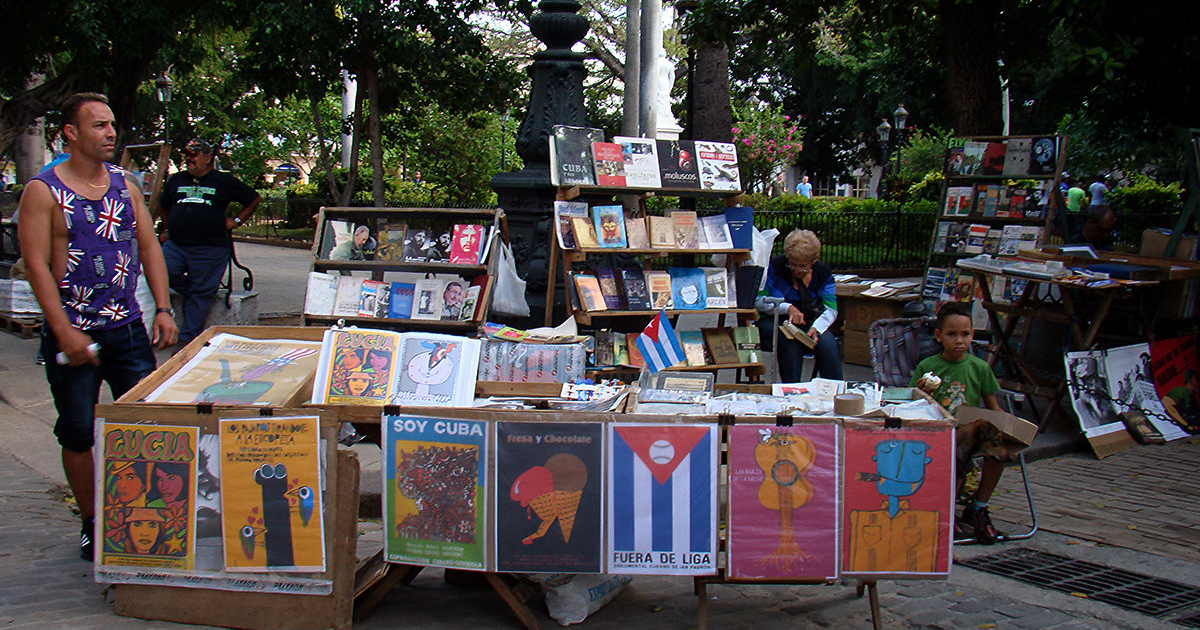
x,y
896,239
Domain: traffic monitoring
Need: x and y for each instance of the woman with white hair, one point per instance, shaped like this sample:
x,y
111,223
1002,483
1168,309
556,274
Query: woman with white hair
x,y
804,294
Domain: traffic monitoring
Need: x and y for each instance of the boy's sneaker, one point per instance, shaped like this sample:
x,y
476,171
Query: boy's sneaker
x,y
980,524
85,538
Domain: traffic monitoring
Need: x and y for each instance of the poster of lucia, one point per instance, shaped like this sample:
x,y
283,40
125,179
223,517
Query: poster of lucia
x,y
235,370
783,502
378,367
435,503
146,511
271,495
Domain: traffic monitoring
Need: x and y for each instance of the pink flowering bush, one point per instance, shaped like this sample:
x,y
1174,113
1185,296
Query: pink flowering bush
x,y
766,140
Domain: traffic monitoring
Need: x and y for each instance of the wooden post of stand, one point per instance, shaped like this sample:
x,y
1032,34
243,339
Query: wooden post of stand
x,y
515,596
873,597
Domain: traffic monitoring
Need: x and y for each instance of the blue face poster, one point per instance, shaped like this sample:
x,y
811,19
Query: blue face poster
x,y
435,499
548,497
662,499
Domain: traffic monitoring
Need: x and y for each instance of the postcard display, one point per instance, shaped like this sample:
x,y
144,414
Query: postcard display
x,y
590,235
1000,196
416,268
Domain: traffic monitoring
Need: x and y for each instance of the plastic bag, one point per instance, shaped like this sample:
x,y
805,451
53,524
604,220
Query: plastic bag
x,y
510,288
571,598
760,254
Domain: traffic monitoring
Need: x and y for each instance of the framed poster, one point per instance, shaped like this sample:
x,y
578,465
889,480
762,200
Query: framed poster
x,y
784,490
435,501
662,498
898,489
549,483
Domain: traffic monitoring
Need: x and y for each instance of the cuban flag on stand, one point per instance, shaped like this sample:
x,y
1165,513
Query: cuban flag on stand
x,y
662,499
659,344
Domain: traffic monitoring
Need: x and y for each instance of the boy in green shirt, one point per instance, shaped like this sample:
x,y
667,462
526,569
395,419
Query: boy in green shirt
x,y
953,378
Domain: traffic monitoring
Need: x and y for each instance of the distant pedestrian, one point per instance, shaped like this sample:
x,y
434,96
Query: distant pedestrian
x,y
197,243
1098,191
1074,219
804,189
84,230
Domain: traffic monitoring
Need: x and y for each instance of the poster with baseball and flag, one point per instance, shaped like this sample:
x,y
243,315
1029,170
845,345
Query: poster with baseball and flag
x,y
660,345
662,494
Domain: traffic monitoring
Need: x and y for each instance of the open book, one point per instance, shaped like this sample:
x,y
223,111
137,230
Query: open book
x,y
793,332
378,367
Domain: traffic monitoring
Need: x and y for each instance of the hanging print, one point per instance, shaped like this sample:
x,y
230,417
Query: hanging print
x,y
662,499
271,495
147,513
434,479
548,490
783,502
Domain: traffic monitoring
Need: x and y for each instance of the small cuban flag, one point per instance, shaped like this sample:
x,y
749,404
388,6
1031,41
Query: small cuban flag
x,y
659,344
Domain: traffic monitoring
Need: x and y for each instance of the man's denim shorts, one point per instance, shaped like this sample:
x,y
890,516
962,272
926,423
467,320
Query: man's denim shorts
x,y
125,358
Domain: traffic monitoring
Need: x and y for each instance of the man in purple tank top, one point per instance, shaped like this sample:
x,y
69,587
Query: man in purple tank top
x,y
80,224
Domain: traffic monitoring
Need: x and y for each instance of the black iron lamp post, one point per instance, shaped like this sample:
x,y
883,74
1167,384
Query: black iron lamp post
x,y
162,87
885,132
901,117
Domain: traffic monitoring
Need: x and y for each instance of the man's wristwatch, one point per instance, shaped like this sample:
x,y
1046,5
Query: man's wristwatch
x,y
237,221
167,310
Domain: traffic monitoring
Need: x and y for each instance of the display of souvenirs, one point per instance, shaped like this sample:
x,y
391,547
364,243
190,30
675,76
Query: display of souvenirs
x,y
271,498
548,501
234,370
898,499
783,502
435,499
147,514
661,495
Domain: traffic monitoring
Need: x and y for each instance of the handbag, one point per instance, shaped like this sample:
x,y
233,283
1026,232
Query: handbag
x,y
510,288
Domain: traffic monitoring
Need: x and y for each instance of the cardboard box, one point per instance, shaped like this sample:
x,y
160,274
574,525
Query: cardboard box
x,y
856,348
1155,240
16,298
1016,428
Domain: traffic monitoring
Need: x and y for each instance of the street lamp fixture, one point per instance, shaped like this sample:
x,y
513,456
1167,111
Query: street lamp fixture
x,y
885,131
162,87
901,117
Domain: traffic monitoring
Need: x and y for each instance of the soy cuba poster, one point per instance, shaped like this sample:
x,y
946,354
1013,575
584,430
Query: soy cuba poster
x,y
783,502
549,482
898,489
147,515
434,501
271,495
662,499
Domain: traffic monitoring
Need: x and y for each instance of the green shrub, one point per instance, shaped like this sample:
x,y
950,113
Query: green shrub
x,y
1147,196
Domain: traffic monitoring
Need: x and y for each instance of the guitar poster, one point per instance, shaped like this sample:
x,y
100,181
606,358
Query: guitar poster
x,y
434,500
147,515
662,497
549,485
783,502
898,489
271,495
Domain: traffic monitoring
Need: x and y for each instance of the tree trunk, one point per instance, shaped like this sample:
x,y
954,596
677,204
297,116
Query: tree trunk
x,y
29,147
356,142
712,118
972,75
377,192
23,108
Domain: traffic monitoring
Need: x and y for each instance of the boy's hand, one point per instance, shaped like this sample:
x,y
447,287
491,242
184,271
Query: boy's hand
x,y
929,383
